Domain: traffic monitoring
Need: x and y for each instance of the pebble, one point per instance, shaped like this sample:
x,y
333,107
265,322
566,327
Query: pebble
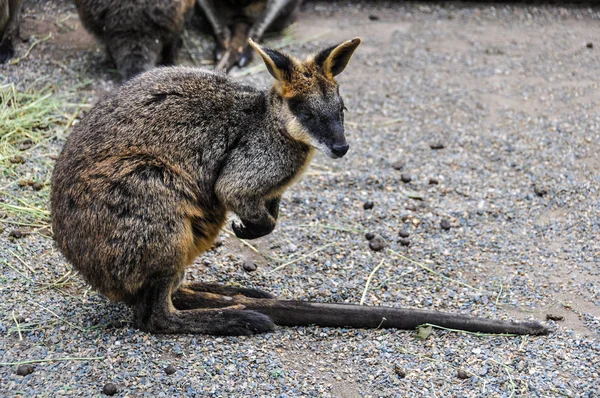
x,y
403,233
445,224
18,159
404,242
368,205
26,369
401,373
249,266
170,369
461,374
398,165
373,17
370,235
405,177
554,317
589,44
377,243
17,234
37,186
436,145
110,389
540,190
433,181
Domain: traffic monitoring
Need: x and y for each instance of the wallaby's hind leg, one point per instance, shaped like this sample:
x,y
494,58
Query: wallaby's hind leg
x,y
224,290
155,313
170,51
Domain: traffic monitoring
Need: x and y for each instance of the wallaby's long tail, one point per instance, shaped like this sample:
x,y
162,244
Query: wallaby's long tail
x,y
301,313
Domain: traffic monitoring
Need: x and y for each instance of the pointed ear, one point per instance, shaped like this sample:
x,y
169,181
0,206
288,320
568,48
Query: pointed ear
x,y
279,65
333,60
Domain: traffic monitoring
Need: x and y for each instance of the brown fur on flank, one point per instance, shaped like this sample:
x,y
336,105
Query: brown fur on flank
x,y
138,34
144,183
10,11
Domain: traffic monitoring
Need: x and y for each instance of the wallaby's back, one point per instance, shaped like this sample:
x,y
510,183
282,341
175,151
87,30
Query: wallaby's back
x,y
138,34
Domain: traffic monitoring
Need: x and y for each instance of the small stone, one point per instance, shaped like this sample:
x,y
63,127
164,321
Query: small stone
x,y
370,235
405,177
436,145
377,243
445,224
37,186
553,317
16,234
404,242
461,374
433,181
373,17
404,233
589,44
398,165
24,370
218,243
110,389
249,266
540,190
18,159
399,372
368,205
170,369
292,248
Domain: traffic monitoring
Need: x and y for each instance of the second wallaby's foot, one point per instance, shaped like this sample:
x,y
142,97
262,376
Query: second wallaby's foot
x,y
7,50
224,290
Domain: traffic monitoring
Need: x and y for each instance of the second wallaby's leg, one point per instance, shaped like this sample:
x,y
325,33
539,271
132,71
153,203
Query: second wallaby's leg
x,y
156,313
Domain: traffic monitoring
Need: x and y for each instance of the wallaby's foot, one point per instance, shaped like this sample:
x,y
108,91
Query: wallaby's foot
x,y
220,322
156,312
224,290
7,50
244,56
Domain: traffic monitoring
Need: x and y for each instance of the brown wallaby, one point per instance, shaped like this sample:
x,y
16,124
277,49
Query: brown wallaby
x,y
138,34
233,22
144,183
10,11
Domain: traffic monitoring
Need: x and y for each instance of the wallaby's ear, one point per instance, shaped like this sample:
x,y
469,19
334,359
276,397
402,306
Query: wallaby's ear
x,y
279,65
334,59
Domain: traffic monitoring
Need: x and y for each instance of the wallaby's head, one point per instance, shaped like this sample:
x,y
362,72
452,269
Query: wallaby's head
x,y
311,99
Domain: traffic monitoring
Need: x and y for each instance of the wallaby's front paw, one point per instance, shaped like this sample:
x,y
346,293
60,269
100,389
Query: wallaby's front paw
x,y
250,231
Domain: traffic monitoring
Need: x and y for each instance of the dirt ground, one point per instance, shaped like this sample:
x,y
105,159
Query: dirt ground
x,y
510,92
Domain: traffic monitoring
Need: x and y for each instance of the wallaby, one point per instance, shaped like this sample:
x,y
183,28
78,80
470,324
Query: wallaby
x,y
138,34
144,183
10,11
233,22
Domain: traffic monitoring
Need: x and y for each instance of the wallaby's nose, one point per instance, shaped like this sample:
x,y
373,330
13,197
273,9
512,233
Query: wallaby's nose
x,y
339,150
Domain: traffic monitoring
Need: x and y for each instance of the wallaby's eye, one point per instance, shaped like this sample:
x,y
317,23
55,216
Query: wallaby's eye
x,y
306,116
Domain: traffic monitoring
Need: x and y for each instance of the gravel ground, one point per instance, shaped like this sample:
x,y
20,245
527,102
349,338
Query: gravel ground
x,y
498,105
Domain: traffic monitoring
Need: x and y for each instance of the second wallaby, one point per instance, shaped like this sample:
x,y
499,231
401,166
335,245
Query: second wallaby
x,y
144,183
10,11
233,22
138,34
